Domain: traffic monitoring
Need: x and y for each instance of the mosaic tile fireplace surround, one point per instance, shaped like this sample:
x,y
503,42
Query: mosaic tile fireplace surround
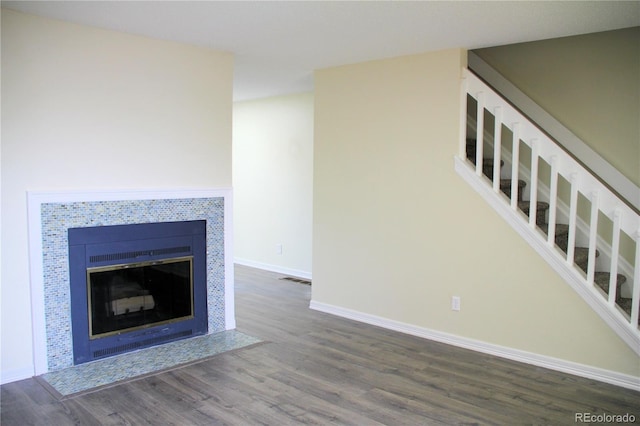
x,y
52,214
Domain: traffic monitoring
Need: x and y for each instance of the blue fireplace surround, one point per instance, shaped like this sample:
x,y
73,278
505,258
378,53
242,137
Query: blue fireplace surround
x,y
135,244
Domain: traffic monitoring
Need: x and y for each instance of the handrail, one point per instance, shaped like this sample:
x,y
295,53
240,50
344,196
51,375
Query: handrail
x,y
611,176
625,219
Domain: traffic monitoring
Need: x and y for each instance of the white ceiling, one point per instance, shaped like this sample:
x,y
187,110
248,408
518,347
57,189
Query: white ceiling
x,y
277,45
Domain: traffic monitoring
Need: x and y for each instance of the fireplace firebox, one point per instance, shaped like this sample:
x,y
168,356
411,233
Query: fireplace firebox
x,y
134,286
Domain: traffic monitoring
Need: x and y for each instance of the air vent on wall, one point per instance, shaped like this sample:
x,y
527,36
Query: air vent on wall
x,y
136,254
139,344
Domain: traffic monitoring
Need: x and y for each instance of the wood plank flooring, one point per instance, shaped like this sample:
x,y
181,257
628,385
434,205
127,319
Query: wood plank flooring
x,y
314,368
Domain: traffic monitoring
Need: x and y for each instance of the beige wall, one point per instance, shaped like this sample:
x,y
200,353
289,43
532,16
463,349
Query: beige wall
x,y
397,232
590,83
273,182
84,108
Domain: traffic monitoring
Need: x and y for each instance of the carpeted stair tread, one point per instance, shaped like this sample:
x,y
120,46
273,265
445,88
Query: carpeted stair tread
x,y
562,229
602,280
471,154
625,304
524,206
561,235
506,183
488,162
505,186
581,257
487,165
471,147
541,208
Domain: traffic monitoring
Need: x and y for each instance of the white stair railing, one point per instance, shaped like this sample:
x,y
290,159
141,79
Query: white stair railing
x,y
582,182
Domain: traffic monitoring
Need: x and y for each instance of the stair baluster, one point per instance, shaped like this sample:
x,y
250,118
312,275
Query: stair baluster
x,y
533,188
573,212
515,161
553,200
593,235
480,134
615,249
497,147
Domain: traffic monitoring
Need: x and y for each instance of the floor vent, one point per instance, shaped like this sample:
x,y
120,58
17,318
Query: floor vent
x,y
297,280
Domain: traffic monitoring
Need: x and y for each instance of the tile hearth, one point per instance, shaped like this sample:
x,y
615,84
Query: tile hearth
x,y
92,375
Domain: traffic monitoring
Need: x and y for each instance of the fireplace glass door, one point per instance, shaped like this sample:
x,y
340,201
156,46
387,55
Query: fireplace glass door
x,y
134,296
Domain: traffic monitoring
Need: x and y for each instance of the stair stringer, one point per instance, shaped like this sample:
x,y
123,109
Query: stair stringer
x,y
603,261
614,318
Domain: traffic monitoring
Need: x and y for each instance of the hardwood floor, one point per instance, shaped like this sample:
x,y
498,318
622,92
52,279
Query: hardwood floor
x,y
313,368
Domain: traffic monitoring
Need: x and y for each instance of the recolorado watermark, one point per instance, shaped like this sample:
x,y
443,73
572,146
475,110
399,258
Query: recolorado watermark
x,y
604,418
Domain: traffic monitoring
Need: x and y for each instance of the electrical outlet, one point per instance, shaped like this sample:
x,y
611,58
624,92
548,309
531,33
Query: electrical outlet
x,y
278,248
455,303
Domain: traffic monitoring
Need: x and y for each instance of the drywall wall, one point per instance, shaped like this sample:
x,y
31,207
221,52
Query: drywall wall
x,y
273,183
590,83
397,233
84,108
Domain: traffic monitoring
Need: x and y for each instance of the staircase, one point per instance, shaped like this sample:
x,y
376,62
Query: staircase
x,y
572,219
581,254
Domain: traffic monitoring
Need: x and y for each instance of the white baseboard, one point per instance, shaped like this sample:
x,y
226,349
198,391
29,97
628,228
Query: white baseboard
x,y
15,375
586,371
297,273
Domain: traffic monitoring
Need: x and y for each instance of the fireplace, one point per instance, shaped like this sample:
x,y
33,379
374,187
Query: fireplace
x,y
52,213
136,285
